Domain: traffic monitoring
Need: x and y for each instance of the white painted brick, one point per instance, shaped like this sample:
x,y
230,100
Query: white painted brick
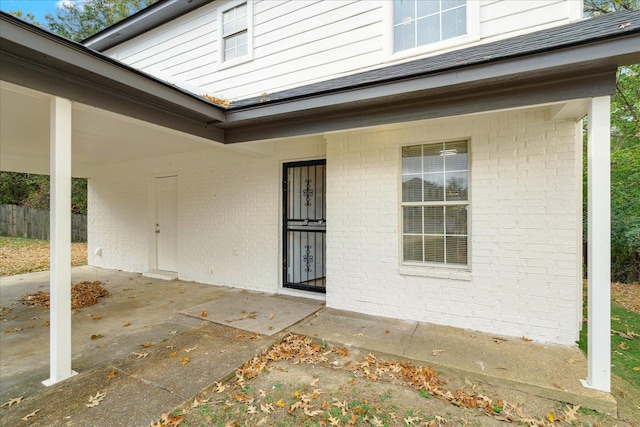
x,y
516,228
524,204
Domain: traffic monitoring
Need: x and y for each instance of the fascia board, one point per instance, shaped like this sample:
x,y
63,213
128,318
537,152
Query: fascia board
x,y
145,20
48,50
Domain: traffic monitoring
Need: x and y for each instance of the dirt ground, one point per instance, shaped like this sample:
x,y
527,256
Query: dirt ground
x,y
302,382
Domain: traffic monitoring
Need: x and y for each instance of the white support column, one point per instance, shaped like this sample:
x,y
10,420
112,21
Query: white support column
x,y
60,238
599,245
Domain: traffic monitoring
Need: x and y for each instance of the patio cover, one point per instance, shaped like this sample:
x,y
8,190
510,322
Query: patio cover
x,y
571,68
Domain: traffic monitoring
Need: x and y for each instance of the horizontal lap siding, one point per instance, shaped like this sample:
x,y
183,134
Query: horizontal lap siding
x,y
502,19
299,43
188,43
302,42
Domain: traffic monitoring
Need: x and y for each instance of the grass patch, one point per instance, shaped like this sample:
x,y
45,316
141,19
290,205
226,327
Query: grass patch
x,y
20,255
625,353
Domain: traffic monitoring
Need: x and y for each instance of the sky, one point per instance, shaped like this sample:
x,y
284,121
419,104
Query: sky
x,y
39,8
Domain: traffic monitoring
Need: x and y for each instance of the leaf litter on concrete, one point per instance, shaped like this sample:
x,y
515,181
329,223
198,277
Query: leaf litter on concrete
x,y
300,381
83,294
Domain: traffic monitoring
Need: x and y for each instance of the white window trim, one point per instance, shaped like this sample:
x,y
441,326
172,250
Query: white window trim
x,y
426,269
222,64
473,34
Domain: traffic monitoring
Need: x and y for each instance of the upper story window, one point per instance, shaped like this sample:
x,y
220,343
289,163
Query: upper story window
x,y
435,201
235,32
423,22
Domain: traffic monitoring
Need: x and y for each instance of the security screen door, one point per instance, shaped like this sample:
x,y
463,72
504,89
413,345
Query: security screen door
x,y
304,236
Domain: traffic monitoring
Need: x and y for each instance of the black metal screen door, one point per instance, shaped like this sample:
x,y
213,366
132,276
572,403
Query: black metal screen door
x,y
304,239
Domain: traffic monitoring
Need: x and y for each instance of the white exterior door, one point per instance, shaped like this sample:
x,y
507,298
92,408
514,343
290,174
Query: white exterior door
x,y
167,223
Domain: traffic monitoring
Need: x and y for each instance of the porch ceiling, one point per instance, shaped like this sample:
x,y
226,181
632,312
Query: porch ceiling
x,y
98,136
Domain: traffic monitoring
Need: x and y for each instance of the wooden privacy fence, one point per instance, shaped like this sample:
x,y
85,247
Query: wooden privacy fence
x,y
18,221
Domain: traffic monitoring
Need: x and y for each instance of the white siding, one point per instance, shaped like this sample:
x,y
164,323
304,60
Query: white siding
x,y
503,19
301,42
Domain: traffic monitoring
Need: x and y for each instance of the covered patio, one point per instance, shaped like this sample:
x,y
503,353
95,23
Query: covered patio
x,y
67,109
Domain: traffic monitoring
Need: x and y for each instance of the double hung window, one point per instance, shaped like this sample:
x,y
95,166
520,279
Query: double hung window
x,y
435,201
235,32
422,22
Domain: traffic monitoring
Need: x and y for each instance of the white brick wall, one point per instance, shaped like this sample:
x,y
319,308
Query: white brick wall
x,y
228,213
525,222
524,256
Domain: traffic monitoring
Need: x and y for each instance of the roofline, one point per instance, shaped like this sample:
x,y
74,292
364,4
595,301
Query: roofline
x,y
34,58
40,60
139,23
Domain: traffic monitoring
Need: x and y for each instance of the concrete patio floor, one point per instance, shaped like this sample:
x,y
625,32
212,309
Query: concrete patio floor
x,y
146,387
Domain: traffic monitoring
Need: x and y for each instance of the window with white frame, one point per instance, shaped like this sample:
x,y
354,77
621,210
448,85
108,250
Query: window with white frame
x,y
423,22
435,201
235,32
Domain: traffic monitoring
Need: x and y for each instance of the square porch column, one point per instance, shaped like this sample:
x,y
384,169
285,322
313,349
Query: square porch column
x,y
60,240
599,245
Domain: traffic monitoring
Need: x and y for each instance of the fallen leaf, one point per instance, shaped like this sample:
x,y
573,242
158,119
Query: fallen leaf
x,y
280,403
570,413
147,344
313,413
112,374
185,360
240,336
30,415
12,402
573,361
10,331
623,346
96,317
173,354
220,387
255,337
314,382
173,332
204,313
271,316
96,337
140,355
411,420
127,324
252,410
636,368
191,349
624,25
95,400
525,339
436,352
551,417
358,334
46,323
266,408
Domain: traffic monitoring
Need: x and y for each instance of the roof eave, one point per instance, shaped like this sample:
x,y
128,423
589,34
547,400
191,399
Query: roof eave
x,y
564,74
139,23
37,59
